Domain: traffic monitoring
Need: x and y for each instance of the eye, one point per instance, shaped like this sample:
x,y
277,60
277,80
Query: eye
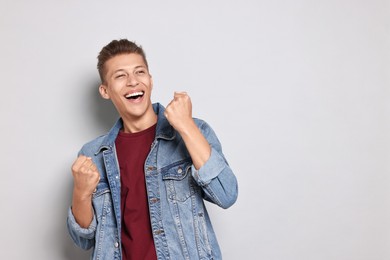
x,y
140,72
120,76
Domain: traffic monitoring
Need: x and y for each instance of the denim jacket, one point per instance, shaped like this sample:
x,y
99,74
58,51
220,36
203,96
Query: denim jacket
x,y
176,192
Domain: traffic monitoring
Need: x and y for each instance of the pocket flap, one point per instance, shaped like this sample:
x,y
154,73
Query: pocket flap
x,y
176,171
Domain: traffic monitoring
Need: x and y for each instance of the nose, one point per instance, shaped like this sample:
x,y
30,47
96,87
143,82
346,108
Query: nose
x,y
132,81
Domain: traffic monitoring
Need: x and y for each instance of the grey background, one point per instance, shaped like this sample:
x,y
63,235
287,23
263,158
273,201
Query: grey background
x,y
297,91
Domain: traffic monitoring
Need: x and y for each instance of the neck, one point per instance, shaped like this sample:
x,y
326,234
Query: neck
x,y
134,125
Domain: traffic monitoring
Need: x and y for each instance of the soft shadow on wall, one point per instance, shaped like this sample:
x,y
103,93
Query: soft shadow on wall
x,y
103,112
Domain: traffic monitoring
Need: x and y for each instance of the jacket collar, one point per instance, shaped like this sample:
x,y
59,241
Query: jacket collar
x,y
163,129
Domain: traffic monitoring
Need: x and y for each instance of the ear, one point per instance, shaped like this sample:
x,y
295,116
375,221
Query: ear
x,y
103,91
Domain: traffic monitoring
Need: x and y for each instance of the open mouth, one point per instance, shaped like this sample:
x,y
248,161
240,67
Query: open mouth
x,y
135,95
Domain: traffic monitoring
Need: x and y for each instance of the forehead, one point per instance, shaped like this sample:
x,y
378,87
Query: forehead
x,y
124,61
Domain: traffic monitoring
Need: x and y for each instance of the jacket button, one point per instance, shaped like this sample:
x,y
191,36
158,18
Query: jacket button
x,y
116,244
180,170
154,200
150,168
158,231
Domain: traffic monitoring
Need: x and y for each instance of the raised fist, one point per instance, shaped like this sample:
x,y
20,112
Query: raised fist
x,y
179,111
86,176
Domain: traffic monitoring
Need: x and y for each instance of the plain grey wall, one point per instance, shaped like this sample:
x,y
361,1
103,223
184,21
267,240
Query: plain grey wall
x,y
297,91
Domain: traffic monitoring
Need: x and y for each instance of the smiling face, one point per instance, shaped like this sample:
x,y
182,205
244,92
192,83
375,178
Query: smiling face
x,y
128,84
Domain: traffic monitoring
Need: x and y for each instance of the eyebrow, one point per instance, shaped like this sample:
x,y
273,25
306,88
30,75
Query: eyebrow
x,y
140,66
118,70
136,67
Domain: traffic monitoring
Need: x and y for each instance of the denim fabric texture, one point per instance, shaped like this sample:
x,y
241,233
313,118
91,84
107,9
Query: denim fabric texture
x,y
176,192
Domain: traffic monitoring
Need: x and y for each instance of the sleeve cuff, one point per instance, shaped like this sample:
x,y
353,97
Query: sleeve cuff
x,y
210,170
87,233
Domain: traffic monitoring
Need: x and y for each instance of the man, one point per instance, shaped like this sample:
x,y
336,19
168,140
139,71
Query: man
x,y
139,190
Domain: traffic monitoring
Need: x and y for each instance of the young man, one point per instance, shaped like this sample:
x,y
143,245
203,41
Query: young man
x,y
139,190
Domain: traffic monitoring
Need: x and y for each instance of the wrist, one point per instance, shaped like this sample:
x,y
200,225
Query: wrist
x,y
81,196
187,128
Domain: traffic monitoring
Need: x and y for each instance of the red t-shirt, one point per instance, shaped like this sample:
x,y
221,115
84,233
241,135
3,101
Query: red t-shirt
x,y
132,150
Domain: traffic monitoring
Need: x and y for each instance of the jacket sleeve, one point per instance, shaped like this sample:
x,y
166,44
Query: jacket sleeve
x,y
216,177
82,237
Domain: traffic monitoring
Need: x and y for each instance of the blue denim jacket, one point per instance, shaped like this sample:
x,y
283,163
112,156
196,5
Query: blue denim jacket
x,y
176,191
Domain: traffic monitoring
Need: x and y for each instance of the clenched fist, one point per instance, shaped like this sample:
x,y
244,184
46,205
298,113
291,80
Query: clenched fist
x,y
179,115
86,177
179,111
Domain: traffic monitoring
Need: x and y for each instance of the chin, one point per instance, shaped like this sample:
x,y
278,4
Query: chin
x,y
136,113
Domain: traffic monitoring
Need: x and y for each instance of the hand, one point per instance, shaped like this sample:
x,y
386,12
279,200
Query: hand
x,y
179,115
179,111
86,177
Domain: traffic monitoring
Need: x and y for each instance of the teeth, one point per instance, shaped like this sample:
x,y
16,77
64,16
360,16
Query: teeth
x,y
135,94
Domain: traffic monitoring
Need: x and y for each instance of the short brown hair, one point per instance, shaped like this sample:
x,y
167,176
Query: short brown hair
x,y
117,47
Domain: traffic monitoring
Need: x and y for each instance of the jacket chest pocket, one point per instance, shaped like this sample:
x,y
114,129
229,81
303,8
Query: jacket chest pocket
x,y
178,181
